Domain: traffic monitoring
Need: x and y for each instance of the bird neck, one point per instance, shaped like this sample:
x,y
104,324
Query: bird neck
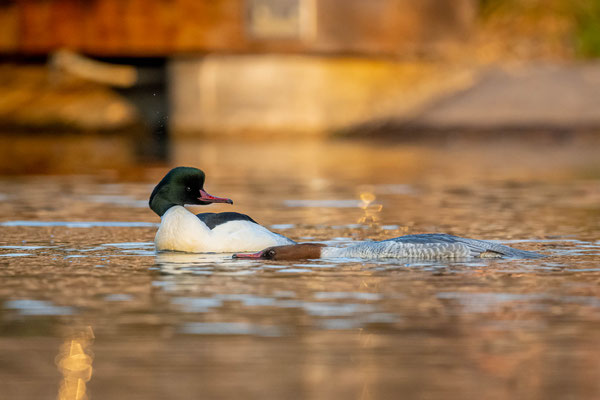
x,y
302,251
160,205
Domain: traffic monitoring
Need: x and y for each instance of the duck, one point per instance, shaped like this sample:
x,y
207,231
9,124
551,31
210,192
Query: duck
x,y
182,230
425,246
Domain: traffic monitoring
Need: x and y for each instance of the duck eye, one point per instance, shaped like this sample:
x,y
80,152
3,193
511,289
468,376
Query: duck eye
x,y
188,189
271,253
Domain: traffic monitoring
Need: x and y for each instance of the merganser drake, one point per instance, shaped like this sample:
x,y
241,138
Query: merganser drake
x,y
181,230
428,246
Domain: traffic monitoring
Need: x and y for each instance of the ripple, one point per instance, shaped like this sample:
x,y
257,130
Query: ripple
x,y
130,245
24,247
294,270
281,227
318,309
197,304
81,224
347,295
118,297
323,203
488,302
120,200
37,307
229,328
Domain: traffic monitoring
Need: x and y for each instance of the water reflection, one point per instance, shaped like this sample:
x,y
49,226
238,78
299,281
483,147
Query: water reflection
x,y
370,209
171,262
205,323
74,361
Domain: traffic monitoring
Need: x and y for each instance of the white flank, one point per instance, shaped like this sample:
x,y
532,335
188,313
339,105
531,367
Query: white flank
x,y
181,230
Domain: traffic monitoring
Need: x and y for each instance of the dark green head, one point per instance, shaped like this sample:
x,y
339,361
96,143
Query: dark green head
x,y
182,185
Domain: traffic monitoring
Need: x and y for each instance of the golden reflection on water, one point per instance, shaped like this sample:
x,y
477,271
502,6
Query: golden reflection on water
x,y
74,361
369,208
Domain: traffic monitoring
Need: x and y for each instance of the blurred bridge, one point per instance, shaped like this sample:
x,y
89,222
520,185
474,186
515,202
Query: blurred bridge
x,y
178,27
245,65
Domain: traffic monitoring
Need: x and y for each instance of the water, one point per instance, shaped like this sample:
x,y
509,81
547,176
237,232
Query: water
x,y
87,305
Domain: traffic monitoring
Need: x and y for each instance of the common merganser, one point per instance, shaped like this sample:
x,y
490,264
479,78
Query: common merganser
x,y
181,230
427,246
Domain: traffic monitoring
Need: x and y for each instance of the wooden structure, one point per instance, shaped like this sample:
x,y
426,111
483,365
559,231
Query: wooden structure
x,y
174,27
232,66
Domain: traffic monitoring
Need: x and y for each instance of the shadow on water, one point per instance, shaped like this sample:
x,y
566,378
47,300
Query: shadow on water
x,y
77,256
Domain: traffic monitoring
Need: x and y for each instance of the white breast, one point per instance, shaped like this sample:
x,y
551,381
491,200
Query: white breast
x,y
180,230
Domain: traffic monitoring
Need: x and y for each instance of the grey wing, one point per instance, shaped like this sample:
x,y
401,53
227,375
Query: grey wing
x,y
478,248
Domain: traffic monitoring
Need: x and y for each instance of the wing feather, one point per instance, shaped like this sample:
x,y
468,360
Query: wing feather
x,y
475,246
214,219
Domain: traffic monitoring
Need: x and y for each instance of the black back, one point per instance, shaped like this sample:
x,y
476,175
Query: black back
x,y
214,219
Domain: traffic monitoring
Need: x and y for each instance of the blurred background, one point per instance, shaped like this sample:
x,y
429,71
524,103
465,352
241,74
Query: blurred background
x,y
133,76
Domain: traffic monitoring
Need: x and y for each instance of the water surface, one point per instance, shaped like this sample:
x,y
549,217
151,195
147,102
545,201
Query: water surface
x,y
80,278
